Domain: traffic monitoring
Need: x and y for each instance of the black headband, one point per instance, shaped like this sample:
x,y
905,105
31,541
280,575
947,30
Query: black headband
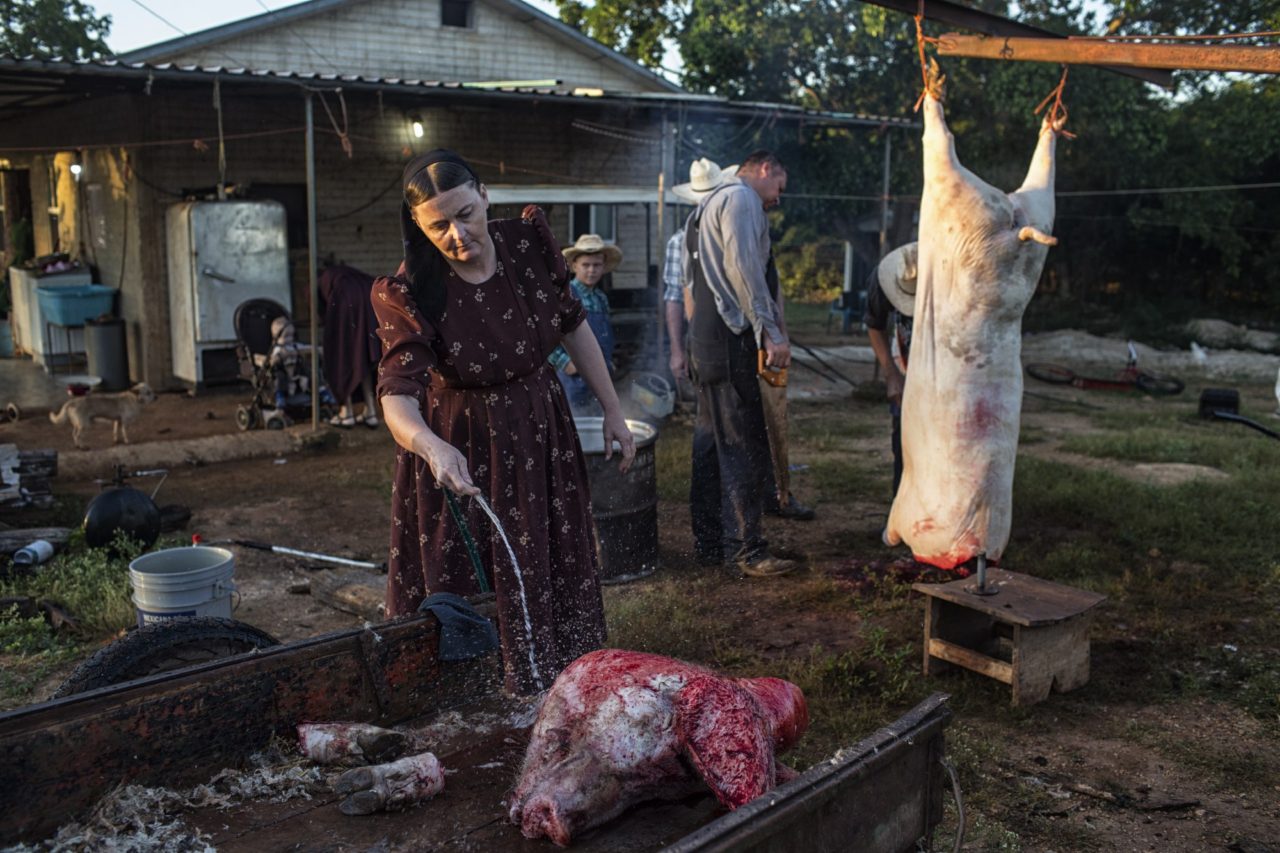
x,y
423,263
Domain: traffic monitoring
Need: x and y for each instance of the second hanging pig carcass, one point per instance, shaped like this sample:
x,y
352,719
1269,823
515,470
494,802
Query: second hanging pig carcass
x,y
980,255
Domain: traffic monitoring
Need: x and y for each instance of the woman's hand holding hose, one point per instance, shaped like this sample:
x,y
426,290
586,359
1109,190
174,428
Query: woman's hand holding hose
x,y
447,463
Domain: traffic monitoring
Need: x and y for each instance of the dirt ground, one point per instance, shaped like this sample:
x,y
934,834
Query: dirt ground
x,y
1093,785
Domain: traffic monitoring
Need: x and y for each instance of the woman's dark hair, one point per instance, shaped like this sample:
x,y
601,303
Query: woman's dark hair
x,y
425,177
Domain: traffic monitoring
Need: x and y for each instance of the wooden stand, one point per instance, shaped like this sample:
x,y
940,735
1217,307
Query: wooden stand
x,y
1031,634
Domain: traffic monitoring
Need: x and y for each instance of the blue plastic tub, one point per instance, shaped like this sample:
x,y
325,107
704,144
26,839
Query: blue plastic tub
x,y
72,304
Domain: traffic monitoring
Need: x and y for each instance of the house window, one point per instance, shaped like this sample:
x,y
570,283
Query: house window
x,y
593,219
455,13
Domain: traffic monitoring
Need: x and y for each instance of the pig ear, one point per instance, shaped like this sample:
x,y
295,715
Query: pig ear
x,y
726,738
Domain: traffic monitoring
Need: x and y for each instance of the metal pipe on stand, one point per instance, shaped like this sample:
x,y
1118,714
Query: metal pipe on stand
x,y
980,586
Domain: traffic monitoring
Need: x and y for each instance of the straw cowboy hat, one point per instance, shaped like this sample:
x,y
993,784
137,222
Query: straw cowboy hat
x,y
897,273
591,244
704,176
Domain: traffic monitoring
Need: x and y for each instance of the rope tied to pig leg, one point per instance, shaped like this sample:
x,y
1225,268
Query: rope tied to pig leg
x,y
921,40
1057,115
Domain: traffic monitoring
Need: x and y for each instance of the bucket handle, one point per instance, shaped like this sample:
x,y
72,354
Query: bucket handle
x,y
224,586
662,386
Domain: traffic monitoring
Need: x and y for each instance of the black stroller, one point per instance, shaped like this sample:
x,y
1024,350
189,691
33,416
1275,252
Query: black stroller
x,y
255,340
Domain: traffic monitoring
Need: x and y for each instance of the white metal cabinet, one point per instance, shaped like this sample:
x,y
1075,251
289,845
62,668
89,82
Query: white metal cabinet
x,y
221,253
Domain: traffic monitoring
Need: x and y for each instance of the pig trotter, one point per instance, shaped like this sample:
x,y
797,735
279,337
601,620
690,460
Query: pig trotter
x,y
935,81
389,787
351,743
1029,233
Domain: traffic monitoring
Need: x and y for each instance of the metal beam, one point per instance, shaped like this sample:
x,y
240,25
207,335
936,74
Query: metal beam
x,y
312,249
1197,57
956,15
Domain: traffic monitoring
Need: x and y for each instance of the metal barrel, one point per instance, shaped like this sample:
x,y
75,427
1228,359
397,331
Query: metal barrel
x,y
104,342
624,506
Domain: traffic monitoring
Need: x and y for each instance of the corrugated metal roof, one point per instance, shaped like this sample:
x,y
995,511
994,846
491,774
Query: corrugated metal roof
x,y
31,83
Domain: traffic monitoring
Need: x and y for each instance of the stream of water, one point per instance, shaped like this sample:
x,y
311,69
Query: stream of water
x,y
524,604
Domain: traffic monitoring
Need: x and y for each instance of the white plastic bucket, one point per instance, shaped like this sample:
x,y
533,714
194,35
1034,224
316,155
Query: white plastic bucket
x,y
193,581
654,394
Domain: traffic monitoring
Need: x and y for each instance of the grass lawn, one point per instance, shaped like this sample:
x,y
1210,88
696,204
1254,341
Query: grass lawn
x,y
1184,696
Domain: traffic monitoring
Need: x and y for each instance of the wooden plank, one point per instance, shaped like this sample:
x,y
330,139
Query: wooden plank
x,y
1021,600
173,728
12,540
1126,54
963,16
970,659
351,591
1050,658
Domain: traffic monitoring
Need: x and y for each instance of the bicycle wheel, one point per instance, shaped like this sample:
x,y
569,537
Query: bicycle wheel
x,y
1054,374
1159,386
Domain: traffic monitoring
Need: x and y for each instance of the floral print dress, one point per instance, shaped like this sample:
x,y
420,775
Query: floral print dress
x,y
481,376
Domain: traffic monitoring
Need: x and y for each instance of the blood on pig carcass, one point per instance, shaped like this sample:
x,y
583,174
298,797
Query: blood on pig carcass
x,y
618,728
980,255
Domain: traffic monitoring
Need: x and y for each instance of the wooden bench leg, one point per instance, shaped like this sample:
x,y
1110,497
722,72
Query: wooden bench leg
x,y
1049,657
932,611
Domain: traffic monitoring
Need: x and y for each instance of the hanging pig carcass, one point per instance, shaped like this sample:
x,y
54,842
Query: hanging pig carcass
x,y
980,255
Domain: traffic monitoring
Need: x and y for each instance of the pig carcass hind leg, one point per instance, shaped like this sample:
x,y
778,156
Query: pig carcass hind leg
x,y
726,739
389,787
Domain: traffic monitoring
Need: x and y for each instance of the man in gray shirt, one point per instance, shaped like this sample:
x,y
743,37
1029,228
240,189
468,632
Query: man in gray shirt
x,y
735,316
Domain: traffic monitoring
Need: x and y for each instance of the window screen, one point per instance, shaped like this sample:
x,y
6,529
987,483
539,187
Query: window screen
x,y
455,13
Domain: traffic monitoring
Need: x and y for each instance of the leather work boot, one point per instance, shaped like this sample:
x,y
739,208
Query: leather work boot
x,y
768,566
793,510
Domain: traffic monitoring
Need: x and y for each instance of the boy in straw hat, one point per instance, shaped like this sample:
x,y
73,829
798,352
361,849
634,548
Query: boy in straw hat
x,y
891,296
589,259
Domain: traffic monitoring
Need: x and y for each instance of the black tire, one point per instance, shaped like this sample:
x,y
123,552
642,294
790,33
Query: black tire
x,y
163,647
246,418
1054,374
1159,386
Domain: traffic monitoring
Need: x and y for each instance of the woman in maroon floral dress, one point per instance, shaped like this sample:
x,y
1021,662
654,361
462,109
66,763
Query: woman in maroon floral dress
x,y
466,325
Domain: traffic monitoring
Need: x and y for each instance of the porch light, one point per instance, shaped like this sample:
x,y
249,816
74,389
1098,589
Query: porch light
x,y
75,171
417,127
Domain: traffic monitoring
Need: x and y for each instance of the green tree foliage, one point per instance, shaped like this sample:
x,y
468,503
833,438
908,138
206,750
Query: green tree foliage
x,y
1132,254
637,28
69,29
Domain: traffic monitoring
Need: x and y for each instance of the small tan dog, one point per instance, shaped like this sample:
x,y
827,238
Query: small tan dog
x,y
121,409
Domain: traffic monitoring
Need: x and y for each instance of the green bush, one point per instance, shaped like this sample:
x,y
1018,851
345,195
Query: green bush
x,y
91,584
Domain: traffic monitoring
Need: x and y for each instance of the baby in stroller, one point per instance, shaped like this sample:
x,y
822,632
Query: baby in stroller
x,y
286,362
276,364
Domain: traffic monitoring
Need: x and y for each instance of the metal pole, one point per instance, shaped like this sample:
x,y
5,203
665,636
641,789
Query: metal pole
x,y
662,264
884,195
311,267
